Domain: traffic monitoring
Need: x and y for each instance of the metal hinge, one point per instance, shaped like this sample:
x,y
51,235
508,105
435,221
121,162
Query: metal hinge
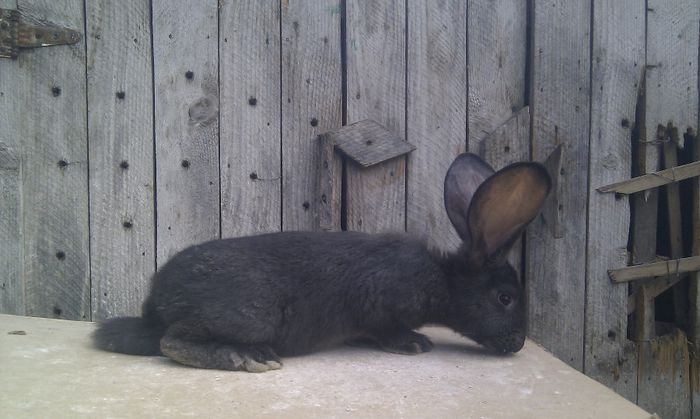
x,y
15,34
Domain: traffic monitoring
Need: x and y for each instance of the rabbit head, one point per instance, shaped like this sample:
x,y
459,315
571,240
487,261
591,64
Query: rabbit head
x,y
490,210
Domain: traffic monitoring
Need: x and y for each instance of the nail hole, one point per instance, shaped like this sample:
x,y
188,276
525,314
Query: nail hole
x,y
306,205
56,91
62,163
625,123
506,149
368,142
124,164
252,101
314,122
121,95
189,75
254,176
57,311
185,164
127,224
60,255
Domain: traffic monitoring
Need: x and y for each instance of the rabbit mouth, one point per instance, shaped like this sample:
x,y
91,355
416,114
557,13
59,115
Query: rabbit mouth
x,y
502,344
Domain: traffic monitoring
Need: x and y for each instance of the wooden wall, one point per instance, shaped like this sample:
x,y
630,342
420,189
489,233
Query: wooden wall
x,y
171,123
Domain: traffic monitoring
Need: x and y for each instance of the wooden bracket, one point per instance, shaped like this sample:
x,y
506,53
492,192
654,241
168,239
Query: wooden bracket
x,y
553,211
366,143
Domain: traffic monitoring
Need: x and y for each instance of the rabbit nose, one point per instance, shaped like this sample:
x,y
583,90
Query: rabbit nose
x,y
510,343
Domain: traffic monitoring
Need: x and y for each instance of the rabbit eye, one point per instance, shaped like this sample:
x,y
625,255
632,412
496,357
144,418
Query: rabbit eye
x,y
505,299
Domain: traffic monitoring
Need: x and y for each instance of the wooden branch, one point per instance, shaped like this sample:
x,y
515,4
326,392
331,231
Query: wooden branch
x,y
648,270
653,180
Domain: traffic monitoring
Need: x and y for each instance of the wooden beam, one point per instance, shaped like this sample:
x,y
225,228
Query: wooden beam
x,y
559,104
648,270
653,180
617,46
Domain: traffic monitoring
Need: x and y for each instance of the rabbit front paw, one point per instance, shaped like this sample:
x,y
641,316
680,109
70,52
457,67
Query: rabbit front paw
x,y
404,342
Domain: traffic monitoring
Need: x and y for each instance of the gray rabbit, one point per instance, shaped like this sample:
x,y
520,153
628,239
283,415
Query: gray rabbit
x,y
237,304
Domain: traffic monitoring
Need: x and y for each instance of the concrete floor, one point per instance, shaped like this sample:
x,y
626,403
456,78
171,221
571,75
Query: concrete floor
x,y
50,370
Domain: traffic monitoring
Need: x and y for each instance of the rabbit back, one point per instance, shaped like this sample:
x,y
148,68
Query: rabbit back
x,y
298,291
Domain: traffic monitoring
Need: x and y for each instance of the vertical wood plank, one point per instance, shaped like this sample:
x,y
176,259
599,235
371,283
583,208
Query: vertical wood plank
x,y
671,97
50,121
120,132
12,299
251,182
376,75
664,363
617,70
497,61
555,267
437,112
329,176
311,101
185,50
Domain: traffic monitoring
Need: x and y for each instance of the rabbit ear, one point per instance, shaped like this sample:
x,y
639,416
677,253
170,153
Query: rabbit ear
x,y
504,205
463,178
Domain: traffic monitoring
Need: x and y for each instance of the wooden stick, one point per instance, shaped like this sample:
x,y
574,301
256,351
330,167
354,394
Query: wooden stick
x,y
653,180
648,270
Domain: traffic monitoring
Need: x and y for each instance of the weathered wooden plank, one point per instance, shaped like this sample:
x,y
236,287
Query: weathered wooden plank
x,y
647,270
122,223
617,57
311,102
671,85
653,180
251,183
555,267
507,145
437,113
45,85
497,61
12,77
185,43
664,362
376,70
